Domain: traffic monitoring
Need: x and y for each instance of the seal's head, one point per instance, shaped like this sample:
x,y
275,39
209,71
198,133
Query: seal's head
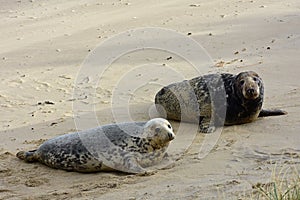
x,y
159,132
248,85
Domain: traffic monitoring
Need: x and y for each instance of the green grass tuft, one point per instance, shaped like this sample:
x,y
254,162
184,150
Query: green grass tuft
x,y
280,188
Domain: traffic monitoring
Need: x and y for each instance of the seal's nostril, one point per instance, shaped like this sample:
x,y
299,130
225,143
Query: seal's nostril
x,y
250,91
171,136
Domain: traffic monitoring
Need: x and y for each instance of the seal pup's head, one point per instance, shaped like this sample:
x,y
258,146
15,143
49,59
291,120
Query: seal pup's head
x,y
249,85
159,132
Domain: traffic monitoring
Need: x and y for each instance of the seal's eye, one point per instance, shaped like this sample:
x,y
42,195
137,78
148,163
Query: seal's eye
x,y
169,126
242,82
157,130
255,79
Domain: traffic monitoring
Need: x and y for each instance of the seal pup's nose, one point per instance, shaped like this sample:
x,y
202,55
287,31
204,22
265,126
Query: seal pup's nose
x,y
171,136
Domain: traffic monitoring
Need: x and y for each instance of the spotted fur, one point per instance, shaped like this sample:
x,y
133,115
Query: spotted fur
x,y
128,147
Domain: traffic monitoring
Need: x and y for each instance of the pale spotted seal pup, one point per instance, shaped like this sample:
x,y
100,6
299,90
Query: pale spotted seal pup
x,y
215,100
128,147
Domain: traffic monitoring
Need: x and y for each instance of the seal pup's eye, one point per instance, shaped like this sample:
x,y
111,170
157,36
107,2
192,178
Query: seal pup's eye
x,y
255,79
169,126
242,82
157,130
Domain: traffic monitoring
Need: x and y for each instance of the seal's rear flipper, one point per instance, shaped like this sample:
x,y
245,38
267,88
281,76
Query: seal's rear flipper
x,y
274,112
28,156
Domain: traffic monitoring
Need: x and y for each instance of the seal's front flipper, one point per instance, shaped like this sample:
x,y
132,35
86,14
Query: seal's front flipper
x,y
274,112
132,166
205,125
28,156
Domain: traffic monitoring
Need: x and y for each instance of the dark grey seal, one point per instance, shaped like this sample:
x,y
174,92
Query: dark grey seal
x,y
215,100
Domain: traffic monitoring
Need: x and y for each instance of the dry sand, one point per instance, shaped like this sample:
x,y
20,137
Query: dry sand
x,y
43,44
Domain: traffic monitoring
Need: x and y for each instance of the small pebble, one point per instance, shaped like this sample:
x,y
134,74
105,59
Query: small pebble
x,y
49,102
195,5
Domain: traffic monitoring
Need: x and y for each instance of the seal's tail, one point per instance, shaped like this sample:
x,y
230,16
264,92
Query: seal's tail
x,y
28,156
266,113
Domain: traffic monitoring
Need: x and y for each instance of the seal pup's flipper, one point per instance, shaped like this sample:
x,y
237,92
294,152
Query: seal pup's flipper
x,y
28,156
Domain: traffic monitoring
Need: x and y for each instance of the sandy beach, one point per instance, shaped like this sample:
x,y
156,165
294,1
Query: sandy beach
x,y
50,86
